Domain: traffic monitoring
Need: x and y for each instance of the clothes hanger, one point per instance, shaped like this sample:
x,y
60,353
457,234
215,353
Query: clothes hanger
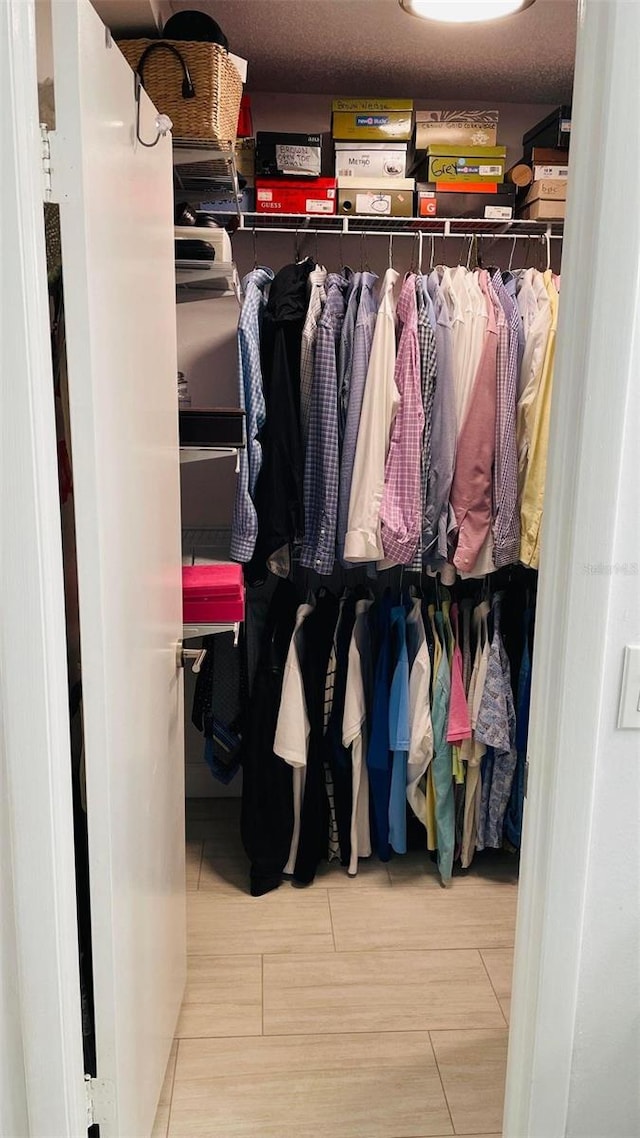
x,y
432,253
316,248
420,252
391,250
513,249
255,246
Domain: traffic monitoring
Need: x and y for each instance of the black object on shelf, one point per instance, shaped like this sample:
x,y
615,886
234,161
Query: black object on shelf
x,y
211,427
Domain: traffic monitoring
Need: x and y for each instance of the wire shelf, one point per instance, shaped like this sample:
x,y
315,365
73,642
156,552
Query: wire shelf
x,y
397,226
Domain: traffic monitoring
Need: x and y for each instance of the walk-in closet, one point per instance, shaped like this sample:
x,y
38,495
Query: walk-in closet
x,y
319,405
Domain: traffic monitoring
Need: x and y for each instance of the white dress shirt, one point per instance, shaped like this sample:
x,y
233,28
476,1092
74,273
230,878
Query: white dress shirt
x,y
379,406
291,741
421,730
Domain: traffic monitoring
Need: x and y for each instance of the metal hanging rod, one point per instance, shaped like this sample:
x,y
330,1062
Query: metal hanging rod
x,y
336,225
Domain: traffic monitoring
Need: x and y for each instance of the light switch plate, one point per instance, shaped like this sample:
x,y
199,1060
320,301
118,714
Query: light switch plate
x,y
629,709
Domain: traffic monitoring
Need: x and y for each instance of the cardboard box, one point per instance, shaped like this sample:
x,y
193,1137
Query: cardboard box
x,y
499,206
227,203
456,128
554,131
376,197
384,126
280,155
544,173
246,158
311,195
548,156
375,160
372,106
547,191
466,164
543,211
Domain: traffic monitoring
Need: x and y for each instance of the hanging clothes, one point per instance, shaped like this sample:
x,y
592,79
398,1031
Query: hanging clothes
x,y
428,378
440,768
322,458
317,638
338,756
506,522
515,809
291,741
471,486
378,756
345,350
421,729
473,751
244,527
357,710
362,342
496,728
401,506
439,522
278,495
317,298
533,492
399,730
363,541
267,794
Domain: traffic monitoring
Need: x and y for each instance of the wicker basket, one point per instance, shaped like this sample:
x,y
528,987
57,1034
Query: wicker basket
x,y
196,84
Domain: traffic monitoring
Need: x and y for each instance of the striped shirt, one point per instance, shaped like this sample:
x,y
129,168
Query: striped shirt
x,y
428,376
506,521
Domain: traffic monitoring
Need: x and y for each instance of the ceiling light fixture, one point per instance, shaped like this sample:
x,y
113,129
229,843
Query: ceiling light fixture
x,y
463,11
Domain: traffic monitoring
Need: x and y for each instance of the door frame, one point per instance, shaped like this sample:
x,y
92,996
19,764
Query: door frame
x,y
594,374
34,729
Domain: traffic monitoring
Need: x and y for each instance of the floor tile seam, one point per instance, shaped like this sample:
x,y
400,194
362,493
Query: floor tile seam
x,y
493,989
364,1031
444,1093
381,951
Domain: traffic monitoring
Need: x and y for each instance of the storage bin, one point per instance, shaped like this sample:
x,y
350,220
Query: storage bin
x,y
212,594
196,84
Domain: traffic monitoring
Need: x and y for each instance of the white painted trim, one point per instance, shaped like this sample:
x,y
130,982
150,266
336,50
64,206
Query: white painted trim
x,y
593,374
33,670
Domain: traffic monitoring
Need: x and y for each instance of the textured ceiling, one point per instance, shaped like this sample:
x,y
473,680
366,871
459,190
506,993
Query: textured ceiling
x,y
372,47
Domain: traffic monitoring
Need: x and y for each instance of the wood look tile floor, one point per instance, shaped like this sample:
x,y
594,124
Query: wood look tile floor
x,y
376,1007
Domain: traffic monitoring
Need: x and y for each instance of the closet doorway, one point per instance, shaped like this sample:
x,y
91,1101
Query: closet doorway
x,y
297,1011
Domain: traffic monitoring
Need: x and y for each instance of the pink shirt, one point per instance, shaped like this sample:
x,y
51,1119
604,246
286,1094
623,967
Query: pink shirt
x,y
401,509
472,479
458,723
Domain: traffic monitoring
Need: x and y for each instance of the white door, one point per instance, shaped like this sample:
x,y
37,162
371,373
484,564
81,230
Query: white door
x,y
117,244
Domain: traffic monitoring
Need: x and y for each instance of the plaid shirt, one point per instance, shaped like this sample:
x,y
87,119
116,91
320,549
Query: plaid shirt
x,y
244,527
317,297
506,524
428,376
322,459
401,509
439,521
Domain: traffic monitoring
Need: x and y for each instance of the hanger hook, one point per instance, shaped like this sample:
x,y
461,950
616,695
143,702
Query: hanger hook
x,y
432,254
420,241
255,246
391,250
163,122
547,238
513,249
471,244
317,248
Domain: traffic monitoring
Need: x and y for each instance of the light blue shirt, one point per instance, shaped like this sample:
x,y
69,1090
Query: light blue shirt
x,y
362,340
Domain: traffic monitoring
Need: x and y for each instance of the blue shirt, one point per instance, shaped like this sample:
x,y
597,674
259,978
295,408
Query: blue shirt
x,y
345,353
438,520
399,731
322,458
362,341
378,758
244,528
